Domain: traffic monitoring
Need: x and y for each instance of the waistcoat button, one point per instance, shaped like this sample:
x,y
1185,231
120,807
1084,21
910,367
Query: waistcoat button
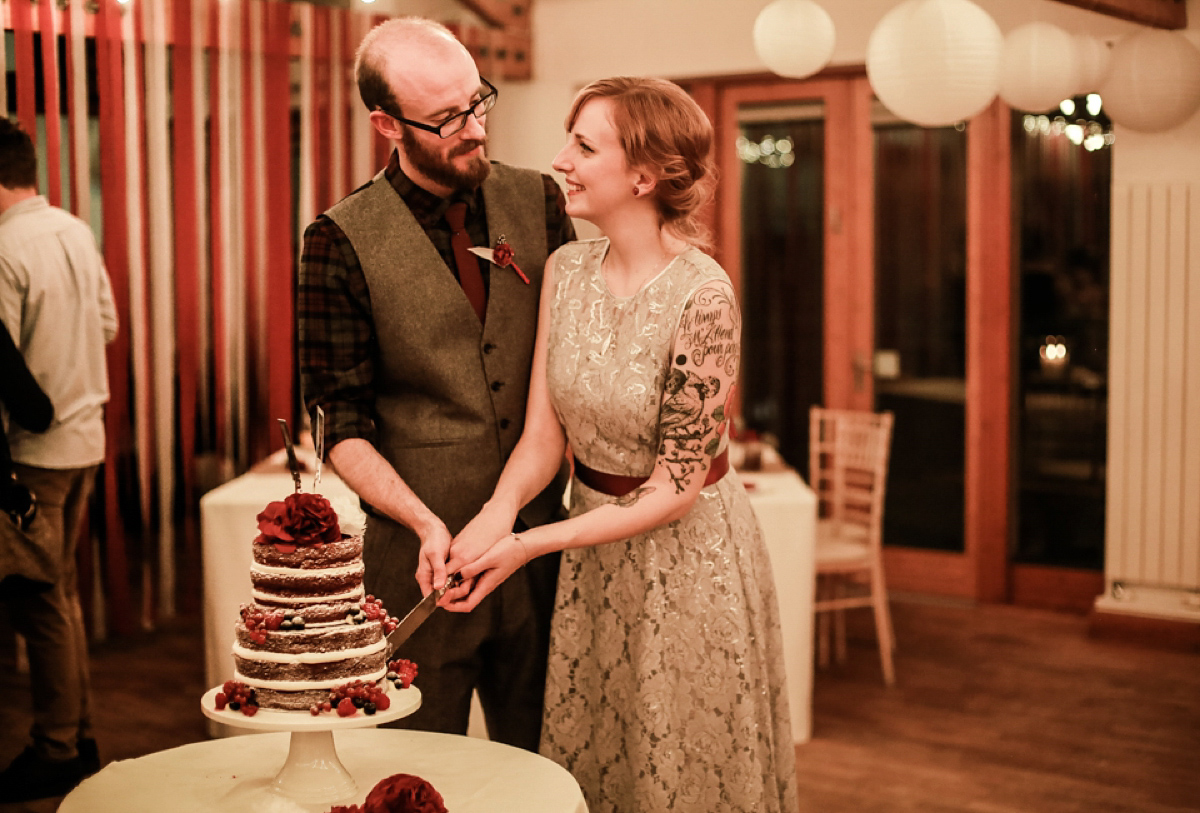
x,y
496,385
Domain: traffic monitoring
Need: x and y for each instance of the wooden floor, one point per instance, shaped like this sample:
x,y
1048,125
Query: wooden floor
x,y
996,710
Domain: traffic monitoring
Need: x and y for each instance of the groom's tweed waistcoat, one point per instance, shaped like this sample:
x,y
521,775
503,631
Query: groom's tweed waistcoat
x,y
450,392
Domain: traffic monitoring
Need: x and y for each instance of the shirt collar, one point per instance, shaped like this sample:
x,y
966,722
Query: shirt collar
x,y
428,208
24,207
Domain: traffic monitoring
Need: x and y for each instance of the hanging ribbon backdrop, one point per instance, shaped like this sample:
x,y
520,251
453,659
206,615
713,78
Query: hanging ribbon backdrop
x,y
176,131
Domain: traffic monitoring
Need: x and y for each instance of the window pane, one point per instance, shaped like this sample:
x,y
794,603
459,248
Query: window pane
x,y
783,156
1061,195
920,327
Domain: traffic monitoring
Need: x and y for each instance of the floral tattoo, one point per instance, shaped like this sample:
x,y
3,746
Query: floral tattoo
x,y
692,418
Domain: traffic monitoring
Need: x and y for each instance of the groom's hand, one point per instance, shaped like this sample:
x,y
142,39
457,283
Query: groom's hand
x,y
431,561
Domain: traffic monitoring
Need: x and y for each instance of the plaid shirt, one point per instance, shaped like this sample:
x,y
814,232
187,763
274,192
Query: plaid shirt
x,y
338,348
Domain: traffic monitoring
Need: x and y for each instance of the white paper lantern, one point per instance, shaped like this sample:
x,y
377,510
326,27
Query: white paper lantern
x,y
1038,67
794,38
1153,81
935,62
1092,55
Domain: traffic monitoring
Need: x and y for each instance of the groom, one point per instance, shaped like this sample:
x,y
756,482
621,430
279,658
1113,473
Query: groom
x,y
419,354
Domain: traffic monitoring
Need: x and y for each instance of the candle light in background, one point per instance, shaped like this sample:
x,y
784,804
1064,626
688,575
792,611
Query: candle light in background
x,y
1054,356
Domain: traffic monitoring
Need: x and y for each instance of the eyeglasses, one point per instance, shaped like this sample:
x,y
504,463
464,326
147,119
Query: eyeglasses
x,y
456,122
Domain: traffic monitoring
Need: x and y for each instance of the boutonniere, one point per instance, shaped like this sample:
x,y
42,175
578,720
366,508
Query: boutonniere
x,y
502,255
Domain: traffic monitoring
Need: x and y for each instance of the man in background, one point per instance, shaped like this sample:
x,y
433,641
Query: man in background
x,y
56,302
419,354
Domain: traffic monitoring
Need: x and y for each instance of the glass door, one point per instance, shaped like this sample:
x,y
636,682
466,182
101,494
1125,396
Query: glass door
x,y
920,363
1062,181
781,148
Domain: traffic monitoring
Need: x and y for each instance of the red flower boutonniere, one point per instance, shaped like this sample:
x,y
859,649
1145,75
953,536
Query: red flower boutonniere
x,y
502,255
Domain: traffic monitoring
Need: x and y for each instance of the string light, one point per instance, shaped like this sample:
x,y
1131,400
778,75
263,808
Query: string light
x,y
1088,133
776,153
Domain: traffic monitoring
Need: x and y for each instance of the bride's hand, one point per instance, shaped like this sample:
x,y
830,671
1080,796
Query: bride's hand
x,y
486,573
489,526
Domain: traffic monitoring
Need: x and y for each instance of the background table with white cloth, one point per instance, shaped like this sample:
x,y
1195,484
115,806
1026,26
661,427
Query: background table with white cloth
x,y
233,775
787,511
785,505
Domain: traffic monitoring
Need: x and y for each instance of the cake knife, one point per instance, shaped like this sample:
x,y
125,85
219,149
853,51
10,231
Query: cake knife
x,y
417,615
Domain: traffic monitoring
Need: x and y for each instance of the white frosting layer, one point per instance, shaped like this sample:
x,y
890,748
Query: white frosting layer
x,y
275,598
307,657
305,685
271,570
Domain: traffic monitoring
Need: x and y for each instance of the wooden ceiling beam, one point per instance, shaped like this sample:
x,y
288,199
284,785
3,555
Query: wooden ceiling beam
x,y
1171,14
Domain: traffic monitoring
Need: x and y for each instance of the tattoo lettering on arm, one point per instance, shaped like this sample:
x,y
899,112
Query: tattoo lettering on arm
x,y
692,418
710,330
634,496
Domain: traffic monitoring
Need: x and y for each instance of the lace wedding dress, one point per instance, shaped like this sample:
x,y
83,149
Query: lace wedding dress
x,y
665,689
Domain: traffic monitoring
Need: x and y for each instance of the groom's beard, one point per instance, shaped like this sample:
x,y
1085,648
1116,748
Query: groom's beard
x,y
439,168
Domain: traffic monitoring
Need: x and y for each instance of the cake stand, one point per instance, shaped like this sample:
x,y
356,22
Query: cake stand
x,y
312,777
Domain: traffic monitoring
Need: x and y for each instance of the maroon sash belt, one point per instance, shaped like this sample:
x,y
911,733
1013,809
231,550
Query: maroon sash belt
x,y
618,485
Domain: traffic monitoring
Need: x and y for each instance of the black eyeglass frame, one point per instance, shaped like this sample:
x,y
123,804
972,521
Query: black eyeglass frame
x,y
478,110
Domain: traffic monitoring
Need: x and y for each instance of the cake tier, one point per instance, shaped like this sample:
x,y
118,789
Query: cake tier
x,y
310,557
292,669
317,641
315,611
292,583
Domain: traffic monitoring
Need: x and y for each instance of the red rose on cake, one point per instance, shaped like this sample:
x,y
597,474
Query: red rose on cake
x,y
298,520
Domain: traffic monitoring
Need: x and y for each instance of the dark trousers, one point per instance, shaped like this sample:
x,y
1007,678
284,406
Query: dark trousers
x,y
50,619
499,649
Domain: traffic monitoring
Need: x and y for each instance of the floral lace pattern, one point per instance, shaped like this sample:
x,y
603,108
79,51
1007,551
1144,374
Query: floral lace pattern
x,y
666,688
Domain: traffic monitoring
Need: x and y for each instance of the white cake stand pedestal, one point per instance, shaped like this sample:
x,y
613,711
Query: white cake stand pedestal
x,y
312,777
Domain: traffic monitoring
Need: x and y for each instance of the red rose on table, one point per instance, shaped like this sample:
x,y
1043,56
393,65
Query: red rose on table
x,y
299,519
404,793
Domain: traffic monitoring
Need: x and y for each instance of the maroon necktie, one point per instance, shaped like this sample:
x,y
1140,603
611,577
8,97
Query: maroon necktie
x,y
468,264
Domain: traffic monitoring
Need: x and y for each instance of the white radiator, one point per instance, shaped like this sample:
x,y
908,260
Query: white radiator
x,y
1152,549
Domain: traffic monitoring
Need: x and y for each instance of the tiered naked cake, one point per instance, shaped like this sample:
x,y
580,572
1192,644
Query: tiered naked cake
x,y
311,640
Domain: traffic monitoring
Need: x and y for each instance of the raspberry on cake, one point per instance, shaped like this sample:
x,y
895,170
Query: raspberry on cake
x,y
310,628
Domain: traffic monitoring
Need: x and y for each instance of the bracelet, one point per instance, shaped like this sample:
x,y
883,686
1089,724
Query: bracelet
x,y
521,542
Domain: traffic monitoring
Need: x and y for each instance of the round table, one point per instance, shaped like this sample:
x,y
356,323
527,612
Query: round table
x,y
235,774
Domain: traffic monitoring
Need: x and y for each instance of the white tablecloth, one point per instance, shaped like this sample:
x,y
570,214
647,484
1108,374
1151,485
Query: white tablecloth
x,y
787,510
785,506
232,775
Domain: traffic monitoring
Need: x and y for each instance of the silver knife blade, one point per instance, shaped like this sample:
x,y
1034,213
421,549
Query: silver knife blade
x,y
417,615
